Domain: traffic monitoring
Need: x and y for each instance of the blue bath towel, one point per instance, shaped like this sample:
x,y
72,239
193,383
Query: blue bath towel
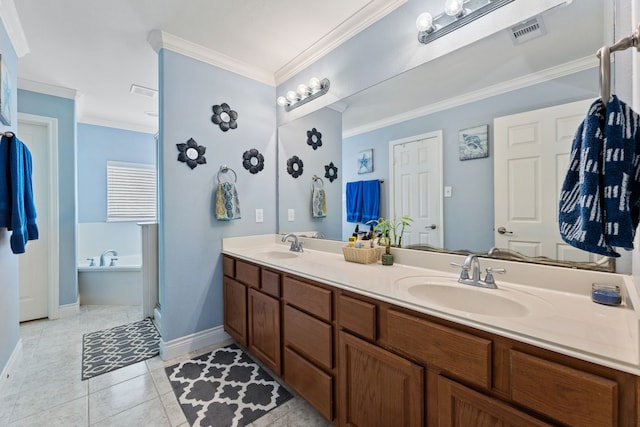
x,y
599,200
17,208
370,200
354,201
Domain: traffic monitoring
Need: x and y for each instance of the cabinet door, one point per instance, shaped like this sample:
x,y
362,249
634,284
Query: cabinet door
x,y
235,309
378,388
461,406
264,329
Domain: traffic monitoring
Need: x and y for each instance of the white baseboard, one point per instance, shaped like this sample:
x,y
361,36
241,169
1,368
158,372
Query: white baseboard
x,y
157,319
7,371
186,344
69,309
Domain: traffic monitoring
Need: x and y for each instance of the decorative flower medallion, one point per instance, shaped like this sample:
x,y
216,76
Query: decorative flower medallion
x,y
191,153
331,171
294,166
253,161
224,117
314,138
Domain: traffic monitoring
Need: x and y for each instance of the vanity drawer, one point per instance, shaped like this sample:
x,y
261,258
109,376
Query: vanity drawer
x,y
248,274
357,316
307,297
309,336
461,354
310,382
228,266
270,283
566,394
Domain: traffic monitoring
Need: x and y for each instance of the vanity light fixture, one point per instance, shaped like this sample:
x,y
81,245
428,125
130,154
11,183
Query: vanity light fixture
x,y
457,13
304,93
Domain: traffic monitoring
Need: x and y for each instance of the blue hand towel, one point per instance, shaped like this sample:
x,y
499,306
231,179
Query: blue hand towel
x,y
354,201
370,200
227,202
17,208
600,197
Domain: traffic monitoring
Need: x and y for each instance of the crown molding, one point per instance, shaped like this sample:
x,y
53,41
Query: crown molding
x,y
48,89
363,18
159,39
12,24
551,73
135,127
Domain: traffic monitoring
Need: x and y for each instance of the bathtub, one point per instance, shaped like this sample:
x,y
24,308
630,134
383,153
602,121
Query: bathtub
x,y
117,285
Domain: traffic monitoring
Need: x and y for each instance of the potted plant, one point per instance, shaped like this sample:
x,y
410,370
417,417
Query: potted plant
x,y
390,233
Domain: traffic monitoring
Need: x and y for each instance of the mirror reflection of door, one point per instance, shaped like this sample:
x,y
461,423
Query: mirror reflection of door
x,y
416,187
531,158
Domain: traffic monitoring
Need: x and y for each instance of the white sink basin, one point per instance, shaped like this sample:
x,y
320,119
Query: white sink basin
x,y
466,298
446,292
273,254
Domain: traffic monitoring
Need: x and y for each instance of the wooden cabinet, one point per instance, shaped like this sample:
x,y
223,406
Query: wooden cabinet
x,y
235,309
378,388
361,361
264,328
461,406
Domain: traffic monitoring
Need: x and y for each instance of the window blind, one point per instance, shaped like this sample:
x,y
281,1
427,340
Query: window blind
x,y
131,192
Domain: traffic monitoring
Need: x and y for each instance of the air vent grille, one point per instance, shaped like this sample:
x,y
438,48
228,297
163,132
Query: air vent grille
x,y
528,30
143,91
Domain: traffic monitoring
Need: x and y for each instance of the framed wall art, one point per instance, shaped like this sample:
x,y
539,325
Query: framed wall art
x,y
365,161
5,94
474,142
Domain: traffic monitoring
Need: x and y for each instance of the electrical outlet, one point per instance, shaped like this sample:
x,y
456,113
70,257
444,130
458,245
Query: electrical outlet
x,y
259,215
291,215
447,191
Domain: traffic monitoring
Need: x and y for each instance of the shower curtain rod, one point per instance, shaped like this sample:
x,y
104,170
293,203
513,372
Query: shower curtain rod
x,y
604,53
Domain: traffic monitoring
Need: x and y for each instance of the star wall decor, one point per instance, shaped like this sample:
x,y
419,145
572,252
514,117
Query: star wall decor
x,y
331,172
224,117
314,138
191,153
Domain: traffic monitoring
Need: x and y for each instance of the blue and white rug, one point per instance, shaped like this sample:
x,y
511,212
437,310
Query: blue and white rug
x,y
110,349
224,388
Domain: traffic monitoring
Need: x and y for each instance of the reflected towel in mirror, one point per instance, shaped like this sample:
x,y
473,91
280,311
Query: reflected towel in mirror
x,y
318,200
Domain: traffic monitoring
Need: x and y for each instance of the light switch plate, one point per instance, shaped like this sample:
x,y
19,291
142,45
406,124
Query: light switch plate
x,y
259,215
291,215
447,191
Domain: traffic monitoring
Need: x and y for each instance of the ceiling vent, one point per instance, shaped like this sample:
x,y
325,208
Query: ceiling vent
x,y
143,91
528,30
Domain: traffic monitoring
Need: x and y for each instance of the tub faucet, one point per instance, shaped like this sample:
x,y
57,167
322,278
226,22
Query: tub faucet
x,y
472,264
108,251
296,246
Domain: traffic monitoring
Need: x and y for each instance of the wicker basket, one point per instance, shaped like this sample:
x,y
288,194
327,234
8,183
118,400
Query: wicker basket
x,y
362,255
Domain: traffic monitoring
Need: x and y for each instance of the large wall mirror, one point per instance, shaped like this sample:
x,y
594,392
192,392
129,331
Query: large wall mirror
x,y
491,78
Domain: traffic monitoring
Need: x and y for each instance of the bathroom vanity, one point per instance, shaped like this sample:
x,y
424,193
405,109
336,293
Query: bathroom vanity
x,y
372,345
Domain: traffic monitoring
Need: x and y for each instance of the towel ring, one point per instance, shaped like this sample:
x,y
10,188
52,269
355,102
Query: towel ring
x,y
224,169
316,178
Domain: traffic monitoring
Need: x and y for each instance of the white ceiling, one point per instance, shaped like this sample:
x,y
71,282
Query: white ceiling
x,y
100,48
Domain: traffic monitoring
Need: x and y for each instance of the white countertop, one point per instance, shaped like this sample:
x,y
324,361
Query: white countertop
x,y
559,315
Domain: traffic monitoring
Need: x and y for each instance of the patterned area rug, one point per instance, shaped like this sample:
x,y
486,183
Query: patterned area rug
x,y
110,349
224,388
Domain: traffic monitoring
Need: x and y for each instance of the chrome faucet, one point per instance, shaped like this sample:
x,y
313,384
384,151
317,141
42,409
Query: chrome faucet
x,y
472,264
296,246
108,251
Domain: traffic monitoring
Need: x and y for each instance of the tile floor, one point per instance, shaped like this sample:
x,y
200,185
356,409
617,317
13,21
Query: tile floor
x,y
46,389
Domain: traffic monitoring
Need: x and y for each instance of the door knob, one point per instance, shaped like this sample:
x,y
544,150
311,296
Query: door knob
x,y
432,226
502,230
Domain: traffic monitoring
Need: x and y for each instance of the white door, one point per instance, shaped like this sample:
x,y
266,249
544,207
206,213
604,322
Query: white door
x,y
416,187
35,270
532,151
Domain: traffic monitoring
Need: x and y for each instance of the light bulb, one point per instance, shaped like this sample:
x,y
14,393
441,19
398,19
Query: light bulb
x,y
292,96
454,8
424,23
281,101
314,83
303,90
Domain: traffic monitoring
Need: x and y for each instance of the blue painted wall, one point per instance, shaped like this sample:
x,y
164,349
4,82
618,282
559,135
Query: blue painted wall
x,y
96,146
469,214
9,282
64,110
190,236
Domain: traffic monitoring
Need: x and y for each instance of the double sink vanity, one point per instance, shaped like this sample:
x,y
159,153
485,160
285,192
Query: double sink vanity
x,y
407,345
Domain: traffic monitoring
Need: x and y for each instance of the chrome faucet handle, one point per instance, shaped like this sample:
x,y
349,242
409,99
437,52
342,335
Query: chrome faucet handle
x,y
464,273
92,261
489,277
112,263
